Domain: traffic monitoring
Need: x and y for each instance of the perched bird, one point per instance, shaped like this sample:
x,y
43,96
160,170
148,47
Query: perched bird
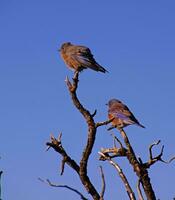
x,y
121,114
79,57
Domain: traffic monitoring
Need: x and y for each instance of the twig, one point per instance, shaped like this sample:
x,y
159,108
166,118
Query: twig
x,y
150,148
103,123
122,176
111,128
116,139
57,146
139,191
103,184
0,185
73,87
140,160
114,151
47,181
169,161
152,160
62,165
94,113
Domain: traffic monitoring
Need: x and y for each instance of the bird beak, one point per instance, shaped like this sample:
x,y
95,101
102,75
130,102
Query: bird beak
x,y
106,104
59,50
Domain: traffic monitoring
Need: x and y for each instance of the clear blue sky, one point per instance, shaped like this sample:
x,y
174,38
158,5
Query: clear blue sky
x,y
133,40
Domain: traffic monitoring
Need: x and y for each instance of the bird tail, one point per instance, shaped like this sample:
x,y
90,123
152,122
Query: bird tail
x,y
141,125
102,69
98,68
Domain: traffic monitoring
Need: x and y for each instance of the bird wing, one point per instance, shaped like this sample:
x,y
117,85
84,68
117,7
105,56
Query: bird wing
x,y
122,112
119,114
83,55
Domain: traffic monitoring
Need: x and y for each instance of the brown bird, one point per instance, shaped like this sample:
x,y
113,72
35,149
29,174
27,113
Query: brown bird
x,y
121,114
79,58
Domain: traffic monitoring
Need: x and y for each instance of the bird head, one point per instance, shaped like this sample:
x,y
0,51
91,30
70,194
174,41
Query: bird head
x,y
112,102
64,46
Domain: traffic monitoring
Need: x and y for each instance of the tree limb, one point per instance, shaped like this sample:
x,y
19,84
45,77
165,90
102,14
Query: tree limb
x,y
103,184
114,151
94,113
103,123
57,146
122,176
139,191
140,170
0,185
152,160
91,136
47,181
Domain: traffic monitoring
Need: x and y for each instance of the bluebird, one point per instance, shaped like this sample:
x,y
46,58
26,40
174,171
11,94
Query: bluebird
x,y
79,58
121,114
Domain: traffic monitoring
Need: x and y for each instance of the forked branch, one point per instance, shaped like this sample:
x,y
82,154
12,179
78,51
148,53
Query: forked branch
x,y
56,144
114,151
152,160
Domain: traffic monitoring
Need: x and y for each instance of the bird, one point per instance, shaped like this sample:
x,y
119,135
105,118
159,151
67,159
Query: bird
x,y
78,58
120,115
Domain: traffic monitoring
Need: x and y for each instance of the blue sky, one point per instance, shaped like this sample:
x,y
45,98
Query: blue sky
x,y
133,40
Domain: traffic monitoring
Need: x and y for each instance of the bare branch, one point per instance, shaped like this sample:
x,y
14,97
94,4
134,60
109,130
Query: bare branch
x,y
73,87
90,140
94,113
152,160
103,123
0,184
57,146
139,191
111,127
47,181
116,139
122,176
150,148
140,160
113,152
169,161
139,168
69,84
62,165
103,184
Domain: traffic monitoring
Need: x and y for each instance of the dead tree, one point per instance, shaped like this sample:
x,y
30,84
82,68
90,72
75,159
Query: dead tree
x,y
107,154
